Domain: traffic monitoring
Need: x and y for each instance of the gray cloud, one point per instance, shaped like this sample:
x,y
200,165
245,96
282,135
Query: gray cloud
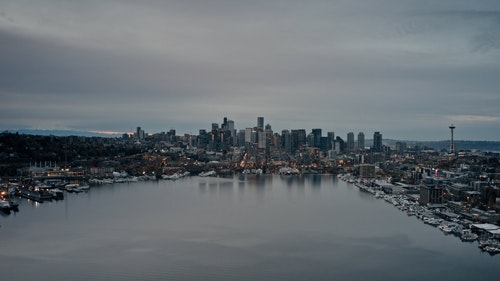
x,y
406,68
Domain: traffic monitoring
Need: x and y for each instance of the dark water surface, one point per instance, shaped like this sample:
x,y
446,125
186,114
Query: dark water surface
x,y
241,228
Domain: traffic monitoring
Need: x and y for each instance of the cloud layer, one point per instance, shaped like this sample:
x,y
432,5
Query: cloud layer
x,y
405,68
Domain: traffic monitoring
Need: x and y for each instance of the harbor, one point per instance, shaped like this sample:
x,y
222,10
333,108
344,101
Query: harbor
x,y
486,235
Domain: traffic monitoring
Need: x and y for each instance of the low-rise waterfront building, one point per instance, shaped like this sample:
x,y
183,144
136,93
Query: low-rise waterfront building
x,y
431,194
366,171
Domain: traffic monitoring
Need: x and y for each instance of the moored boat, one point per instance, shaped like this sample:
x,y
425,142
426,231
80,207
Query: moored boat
x,y
84,187
468,235
57,193
208,174
71,187
14,204
5,205
35,194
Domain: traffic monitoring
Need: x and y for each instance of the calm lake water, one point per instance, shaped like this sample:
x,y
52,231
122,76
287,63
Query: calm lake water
x,y
241,228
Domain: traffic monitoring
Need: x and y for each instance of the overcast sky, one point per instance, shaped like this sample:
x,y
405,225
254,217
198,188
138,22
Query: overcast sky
x,y
406,68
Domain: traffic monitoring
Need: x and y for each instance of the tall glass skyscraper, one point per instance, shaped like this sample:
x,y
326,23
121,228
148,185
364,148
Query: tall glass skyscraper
x,y
377,142
361,141
350,141
260,123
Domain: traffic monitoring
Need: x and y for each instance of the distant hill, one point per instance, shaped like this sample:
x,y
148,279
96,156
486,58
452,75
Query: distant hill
x,y
61,133
445,144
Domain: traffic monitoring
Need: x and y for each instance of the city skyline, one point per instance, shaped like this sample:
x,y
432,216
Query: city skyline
x,y
408,69
350,140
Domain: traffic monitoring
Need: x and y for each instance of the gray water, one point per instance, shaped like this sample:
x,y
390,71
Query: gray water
x,y
241,228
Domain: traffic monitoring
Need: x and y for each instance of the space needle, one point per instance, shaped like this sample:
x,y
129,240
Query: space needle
x,y
452,142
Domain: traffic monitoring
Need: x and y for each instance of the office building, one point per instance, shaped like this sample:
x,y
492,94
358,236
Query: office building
x,y
286,141
261,140
350,141
248,135
377,142
260,124
298,139
361,141
316,138
330,140
140,133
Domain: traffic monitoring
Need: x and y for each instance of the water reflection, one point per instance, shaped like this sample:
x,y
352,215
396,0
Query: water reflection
x,y
241,177
213,187
226,185
231,233
241,184
315,180
296,181
202,187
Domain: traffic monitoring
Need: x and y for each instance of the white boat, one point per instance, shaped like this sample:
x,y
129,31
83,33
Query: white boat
x,y
288,171
83,187
174,176
107,181
75,187
208,174
71,187
492,250
446,228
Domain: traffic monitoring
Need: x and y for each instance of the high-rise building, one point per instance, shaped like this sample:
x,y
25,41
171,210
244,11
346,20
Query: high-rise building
x,y
361,141
339,144
241,138
260,123
140,133
324,144
276,141
310,140
224,124
269,136
215,127
316,138
203,139
377,142
262,140
400,147
330,140
248,135
171,136
350,141
286,141
298,139
232,131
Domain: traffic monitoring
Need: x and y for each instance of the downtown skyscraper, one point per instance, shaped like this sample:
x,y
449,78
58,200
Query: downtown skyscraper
x,y
377,142
361,141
